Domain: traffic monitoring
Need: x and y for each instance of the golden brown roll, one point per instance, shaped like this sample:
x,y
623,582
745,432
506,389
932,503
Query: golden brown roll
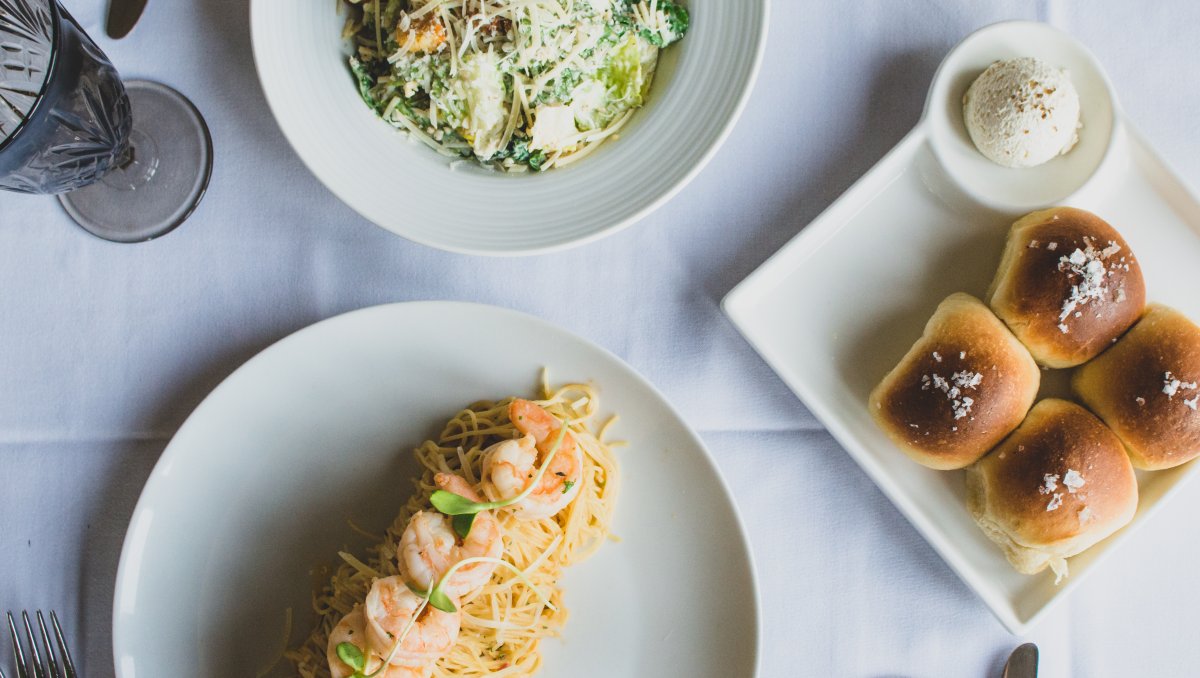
x,y
959,390
1059,484
1147,389
1068,285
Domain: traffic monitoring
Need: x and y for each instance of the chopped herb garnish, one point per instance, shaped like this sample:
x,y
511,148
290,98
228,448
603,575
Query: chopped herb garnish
x,y
365,82
537,161
677,17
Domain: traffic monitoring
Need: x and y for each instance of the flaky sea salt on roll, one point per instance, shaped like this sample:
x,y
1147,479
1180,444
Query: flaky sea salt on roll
x,y
1068,285
1059,484
1147,389
963,386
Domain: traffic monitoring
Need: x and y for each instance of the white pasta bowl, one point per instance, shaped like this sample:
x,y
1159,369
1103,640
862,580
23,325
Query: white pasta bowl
x,y
700,88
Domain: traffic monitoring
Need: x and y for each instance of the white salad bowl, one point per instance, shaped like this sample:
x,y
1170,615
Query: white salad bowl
x,y
700,88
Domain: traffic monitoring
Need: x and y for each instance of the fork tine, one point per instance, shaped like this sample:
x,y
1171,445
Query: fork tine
x,y
18,654
38,670
50,658
68,665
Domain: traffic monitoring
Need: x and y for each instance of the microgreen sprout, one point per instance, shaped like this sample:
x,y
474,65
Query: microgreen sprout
x,y
462,523
439,599
463,510
352,657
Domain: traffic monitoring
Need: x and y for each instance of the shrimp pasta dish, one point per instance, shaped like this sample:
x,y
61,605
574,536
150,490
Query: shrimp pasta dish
x,y
466,580
517,85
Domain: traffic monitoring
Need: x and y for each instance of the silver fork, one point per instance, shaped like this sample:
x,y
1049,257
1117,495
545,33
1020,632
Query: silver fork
x,y
34,667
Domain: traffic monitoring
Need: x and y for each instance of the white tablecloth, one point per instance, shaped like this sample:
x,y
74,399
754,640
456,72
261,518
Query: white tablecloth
x,y
105,349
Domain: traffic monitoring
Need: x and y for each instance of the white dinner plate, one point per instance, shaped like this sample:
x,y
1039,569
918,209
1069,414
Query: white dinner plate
x,y
700,88
256,488
836,308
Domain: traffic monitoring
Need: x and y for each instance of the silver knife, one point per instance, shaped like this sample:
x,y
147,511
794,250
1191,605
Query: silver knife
x,y
122,15
1023,662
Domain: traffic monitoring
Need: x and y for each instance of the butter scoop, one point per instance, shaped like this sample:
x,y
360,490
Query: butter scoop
x,y
1022,112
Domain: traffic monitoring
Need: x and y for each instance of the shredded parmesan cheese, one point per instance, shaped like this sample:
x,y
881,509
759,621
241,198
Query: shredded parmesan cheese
x,y
471,78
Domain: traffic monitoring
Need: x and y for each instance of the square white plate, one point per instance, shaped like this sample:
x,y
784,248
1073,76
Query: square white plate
x,y
839,305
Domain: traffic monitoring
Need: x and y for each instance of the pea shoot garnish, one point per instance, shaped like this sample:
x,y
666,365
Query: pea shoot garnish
x,y
352,656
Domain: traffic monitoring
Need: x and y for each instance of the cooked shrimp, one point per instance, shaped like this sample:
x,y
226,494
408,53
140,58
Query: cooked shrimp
x,y
351,629
426,548
429,547
483,541
509,466
422,36
389,608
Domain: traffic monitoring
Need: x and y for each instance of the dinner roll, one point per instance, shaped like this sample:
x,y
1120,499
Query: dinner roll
x,y
1059,484
1147,389
1068,285
959,390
